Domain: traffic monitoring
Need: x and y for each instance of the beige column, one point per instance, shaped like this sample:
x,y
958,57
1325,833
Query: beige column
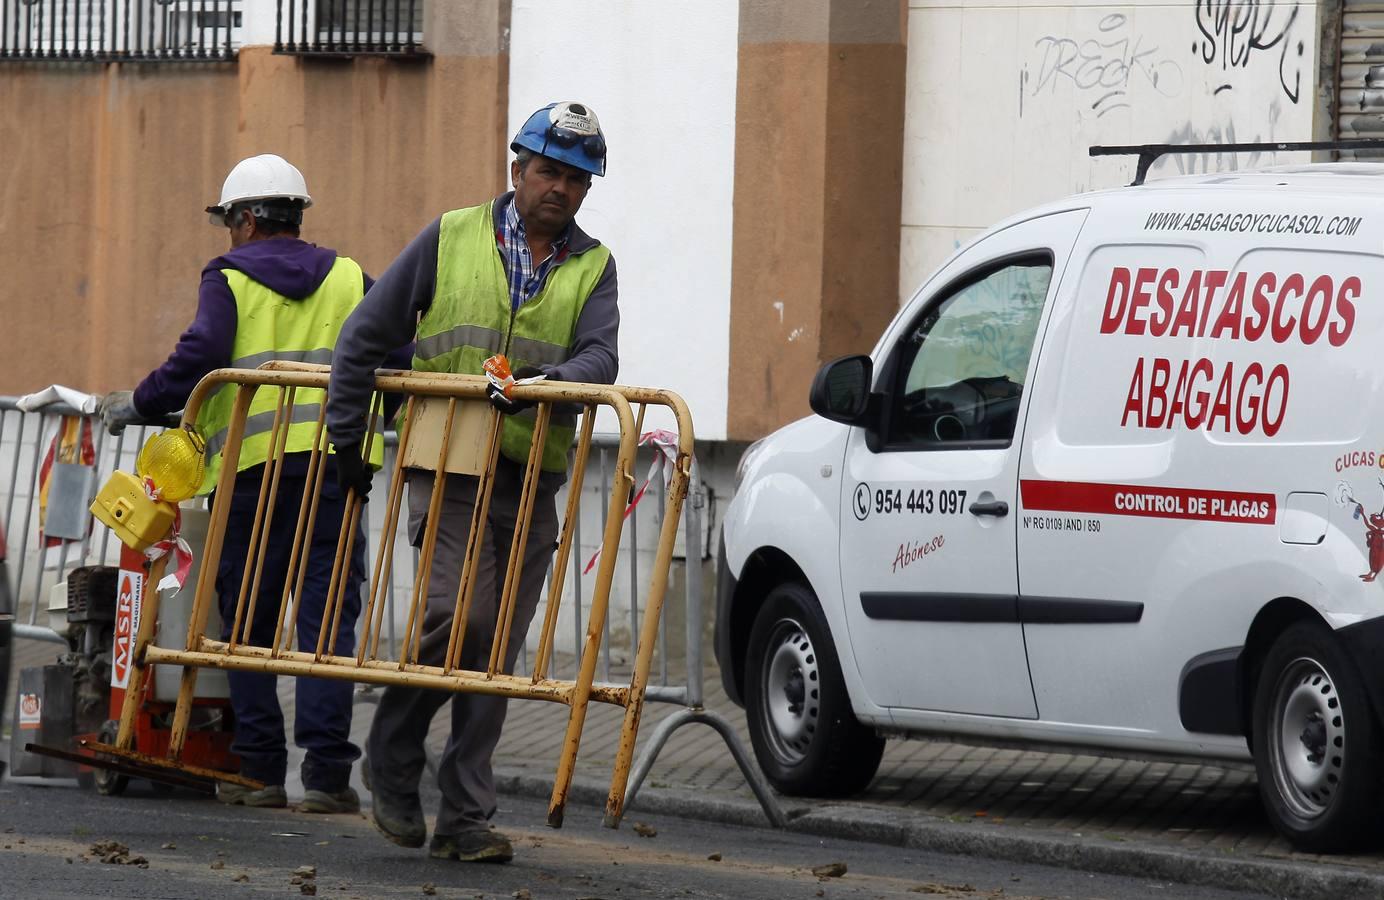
x,y
818,180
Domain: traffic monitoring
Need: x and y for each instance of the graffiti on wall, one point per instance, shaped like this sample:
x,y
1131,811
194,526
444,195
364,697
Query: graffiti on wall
x,y
1117,64
1102,69
1232,33
1207,163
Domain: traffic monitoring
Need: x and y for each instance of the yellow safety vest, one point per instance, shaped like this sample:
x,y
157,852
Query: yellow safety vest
x,y
271,326
470,320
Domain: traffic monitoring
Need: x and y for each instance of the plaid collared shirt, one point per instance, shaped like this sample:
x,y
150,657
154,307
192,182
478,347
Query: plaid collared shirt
x,y
524,280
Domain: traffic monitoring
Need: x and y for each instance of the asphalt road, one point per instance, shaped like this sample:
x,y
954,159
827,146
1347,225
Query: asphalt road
x,y
197,848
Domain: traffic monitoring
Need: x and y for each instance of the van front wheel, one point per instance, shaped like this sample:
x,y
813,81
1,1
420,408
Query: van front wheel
x,y
1316,743
805,736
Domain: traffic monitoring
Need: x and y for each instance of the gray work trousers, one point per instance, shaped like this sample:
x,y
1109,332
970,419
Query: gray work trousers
x,y
395,746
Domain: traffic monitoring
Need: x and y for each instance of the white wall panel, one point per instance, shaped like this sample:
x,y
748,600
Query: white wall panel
x,y
1004,98
661,77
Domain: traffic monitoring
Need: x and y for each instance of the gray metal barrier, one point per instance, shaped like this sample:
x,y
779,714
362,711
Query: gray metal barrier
x,y
676,678
24,441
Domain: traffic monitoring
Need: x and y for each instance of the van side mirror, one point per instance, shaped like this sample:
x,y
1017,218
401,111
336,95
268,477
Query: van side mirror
x,y
841,391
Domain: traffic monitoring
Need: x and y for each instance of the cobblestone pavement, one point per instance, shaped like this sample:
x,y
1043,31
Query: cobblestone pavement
x,y
1177,805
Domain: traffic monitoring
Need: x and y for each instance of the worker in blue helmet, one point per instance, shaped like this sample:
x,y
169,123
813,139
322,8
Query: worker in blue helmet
x,y
566,132
516,274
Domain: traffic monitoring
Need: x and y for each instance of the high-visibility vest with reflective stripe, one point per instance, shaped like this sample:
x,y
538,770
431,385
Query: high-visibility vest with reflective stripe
x,y
270,326
470,320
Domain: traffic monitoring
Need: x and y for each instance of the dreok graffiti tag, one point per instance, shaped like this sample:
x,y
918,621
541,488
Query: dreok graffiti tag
x,y
1234,32
1105,66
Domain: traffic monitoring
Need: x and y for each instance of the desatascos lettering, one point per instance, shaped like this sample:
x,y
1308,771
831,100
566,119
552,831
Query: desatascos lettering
x,y
1201,393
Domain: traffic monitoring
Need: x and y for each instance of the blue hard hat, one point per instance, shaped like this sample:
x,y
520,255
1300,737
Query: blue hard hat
x,y
567,132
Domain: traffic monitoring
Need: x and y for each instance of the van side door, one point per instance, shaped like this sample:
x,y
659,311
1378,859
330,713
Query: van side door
x,y
928,544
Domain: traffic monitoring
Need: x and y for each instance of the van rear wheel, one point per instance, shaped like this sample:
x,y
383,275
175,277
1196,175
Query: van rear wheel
x,y
1316,743
805,736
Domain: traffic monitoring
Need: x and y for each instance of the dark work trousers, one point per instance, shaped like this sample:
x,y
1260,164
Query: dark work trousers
x,y
322,721
402,718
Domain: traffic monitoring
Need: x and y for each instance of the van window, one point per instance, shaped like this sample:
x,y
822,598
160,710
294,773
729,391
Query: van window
x,y
962,364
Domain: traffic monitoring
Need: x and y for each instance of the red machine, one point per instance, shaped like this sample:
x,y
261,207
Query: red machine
x,y
80,698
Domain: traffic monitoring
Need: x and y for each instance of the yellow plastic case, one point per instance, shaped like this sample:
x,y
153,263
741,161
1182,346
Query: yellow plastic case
x,y
124,507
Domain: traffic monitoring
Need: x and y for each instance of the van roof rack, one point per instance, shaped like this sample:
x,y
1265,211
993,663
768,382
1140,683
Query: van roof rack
x,y
1149,153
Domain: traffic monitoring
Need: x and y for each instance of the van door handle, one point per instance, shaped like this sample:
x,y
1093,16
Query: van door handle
x,y
997,508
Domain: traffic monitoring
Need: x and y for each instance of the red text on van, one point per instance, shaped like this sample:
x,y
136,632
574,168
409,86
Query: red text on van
x,y
1172,303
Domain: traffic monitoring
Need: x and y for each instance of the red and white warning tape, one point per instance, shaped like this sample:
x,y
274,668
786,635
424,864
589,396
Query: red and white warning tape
x,y
174,543
666,443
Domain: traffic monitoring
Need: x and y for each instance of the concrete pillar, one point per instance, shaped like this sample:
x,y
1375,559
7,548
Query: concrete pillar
x,y
818,180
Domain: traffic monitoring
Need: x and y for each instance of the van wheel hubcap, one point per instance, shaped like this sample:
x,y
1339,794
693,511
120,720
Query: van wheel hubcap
x,y
791,690
1308,736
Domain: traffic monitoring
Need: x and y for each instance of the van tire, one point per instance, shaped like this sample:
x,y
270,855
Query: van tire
x,y
805,735
1316,743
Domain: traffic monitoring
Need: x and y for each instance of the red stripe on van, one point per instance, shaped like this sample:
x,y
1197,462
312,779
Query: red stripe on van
x,y
1149,501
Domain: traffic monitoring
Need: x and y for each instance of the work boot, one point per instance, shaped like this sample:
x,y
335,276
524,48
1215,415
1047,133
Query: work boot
x,y
398,817
343,801
272,795
472,845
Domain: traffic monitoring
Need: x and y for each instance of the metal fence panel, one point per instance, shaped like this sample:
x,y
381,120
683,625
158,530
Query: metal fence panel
x,y
119,30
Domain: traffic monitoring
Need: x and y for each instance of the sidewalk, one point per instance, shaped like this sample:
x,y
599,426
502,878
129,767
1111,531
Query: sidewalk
x,y
1188,822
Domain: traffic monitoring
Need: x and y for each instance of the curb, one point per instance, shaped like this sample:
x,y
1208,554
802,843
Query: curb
x,y
916,831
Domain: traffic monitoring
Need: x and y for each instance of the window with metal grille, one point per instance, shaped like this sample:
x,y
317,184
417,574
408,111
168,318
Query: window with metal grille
x,y
350,28
116,30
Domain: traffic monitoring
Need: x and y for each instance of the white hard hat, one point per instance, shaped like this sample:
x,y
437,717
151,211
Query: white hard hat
x,y
262,177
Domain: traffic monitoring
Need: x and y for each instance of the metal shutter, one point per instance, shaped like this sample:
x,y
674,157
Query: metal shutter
x,y
1360,110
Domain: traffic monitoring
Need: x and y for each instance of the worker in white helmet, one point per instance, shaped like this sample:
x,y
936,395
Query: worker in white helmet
x,y
272,296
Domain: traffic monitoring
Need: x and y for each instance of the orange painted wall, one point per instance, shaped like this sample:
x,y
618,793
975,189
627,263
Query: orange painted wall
x,y
106,171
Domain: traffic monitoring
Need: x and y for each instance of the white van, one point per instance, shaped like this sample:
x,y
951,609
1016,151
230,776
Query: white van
x,y
1112,480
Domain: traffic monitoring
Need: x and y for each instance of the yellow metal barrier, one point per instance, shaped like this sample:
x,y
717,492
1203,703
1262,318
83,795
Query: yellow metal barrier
x,y
448,423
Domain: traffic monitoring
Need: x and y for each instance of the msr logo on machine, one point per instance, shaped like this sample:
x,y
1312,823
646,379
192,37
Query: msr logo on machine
x,y
30,711
126,626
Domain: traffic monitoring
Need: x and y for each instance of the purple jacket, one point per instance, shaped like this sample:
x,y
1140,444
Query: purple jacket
x,y
287,266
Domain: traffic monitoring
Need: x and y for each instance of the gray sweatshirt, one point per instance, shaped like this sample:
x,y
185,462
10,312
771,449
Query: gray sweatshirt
x,y
388,318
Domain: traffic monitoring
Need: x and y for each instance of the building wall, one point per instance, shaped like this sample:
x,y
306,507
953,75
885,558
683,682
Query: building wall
x,y
108,169
752,202
1004,98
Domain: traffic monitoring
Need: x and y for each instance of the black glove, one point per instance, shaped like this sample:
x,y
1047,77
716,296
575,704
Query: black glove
x,y
509,405
352,473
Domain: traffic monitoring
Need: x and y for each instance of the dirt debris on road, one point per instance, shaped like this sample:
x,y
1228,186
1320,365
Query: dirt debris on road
x,y
830,870
116,853
967,892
